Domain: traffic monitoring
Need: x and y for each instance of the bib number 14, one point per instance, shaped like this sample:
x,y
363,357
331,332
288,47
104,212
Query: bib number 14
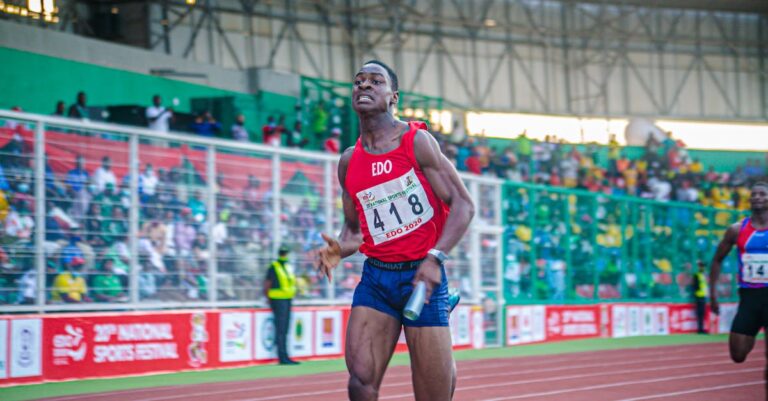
x,y
755,268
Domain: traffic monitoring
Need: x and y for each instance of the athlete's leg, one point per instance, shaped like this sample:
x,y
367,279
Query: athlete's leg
x,y
432,366
740,346
371,340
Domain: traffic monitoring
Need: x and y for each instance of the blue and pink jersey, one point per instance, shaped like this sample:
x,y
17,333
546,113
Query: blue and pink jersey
x,y
753,256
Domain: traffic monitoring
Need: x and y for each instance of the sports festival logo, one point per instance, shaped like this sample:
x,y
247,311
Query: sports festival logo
x,y
69,346
235,335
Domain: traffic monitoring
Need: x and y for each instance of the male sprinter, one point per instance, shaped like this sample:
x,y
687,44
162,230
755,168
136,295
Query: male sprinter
x,y
751,238
405,208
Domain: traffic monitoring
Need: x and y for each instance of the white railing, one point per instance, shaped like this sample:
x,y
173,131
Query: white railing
x,y
225,272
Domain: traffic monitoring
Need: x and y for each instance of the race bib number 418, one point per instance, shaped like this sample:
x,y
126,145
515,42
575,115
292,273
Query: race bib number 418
x,y
755,267
395,208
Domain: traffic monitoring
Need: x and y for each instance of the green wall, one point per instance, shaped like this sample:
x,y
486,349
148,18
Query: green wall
x,y
36,82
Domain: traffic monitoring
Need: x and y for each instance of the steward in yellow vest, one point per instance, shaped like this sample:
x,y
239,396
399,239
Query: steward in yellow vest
x,y
280,288
700,291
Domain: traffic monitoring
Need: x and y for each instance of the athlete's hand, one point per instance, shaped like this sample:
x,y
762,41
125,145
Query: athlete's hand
x,y
329,256
430,273
714,304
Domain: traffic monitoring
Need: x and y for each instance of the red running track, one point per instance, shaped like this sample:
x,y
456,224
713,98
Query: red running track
x,y
682,373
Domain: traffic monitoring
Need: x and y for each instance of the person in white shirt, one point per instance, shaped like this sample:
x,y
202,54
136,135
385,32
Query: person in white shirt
x,y
158,116
104,175
148,182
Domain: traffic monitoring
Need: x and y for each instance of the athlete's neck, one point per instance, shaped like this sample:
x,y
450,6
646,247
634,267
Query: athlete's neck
x,y
760,218
378,132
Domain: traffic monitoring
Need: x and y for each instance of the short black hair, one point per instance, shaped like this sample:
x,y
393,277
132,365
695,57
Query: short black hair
x,y
760,184
390,71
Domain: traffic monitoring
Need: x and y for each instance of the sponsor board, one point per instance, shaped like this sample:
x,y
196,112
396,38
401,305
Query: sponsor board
x,y
300,333
26,348
572,322
328,336
264,336
648,321
619,321
661,317
682,319
478,330
460,322
3,349
526,324
725,318
236,337
634,323
94,346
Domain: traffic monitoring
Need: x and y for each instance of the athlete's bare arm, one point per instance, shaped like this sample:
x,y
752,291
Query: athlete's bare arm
x,y
447,185
723,249
351,237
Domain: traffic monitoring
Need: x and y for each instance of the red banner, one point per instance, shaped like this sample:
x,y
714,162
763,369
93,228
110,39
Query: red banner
x,y
111,345
572,322
682,319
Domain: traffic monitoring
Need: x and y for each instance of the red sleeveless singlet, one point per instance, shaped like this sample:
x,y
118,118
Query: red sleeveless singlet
x,y
401,218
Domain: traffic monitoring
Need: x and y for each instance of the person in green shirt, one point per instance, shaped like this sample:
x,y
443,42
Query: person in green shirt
x,y
106,286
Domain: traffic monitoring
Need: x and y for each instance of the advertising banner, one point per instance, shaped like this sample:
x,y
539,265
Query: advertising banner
x,y
328,332
572,322
460,326
236,337
661,316
619,319
25,348
649,323
264,336
634,321
682,319
3,349
300,334
725,319
478,330
97,346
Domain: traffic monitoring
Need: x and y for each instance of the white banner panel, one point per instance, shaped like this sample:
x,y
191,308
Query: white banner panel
x,y
26,347
300,334
634,321
662,320
538,317
236,337
725,319
649,326
264,336
328,332
478,329
3,349
460,326
619,320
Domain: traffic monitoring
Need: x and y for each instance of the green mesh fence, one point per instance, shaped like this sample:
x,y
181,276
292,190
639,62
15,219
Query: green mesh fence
x,y
577,246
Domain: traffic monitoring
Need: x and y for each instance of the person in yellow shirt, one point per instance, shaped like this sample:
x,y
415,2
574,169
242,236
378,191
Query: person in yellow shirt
x,y
696,167
69,285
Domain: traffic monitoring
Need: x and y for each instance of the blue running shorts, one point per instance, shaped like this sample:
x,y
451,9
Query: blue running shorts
x,y
388,291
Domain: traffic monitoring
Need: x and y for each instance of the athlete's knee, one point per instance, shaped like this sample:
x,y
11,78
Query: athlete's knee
x,y
738,356
360,389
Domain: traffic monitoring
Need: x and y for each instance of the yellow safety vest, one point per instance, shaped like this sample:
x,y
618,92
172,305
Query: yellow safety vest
x,y
287,281
703,286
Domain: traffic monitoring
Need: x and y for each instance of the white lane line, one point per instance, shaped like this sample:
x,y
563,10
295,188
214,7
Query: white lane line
x,y
621,384
696,390
570,357
566,358
719,360
409,393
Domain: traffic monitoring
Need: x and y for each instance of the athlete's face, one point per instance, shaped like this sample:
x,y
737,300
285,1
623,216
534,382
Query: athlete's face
x,y
372,90
759,198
